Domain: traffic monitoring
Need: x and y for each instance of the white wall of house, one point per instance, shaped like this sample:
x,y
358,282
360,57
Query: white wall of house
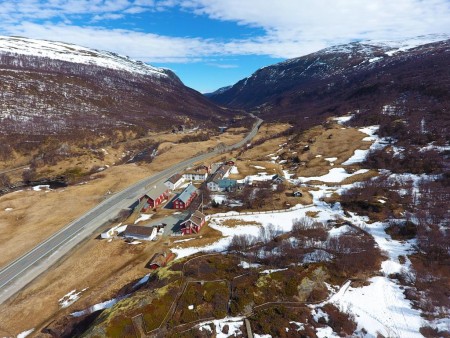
x,y
213,186
173,186
195,176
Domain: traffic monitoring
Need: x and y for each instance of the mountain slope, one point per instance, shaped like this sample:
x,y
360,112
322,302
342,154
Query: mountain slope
x,y
53,88
363,77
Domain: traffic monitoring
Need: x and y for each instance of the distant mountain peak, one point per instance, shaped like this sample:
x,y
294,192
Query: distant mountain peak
x,y
77,54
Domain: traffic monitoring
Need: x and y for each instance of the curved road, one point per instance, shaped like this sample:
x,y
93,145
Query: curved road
x,y
23,270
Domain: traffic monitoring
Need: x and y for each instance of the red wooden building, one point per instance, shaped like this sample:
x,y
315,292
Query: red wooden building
x,y
193,224
154,197
185,198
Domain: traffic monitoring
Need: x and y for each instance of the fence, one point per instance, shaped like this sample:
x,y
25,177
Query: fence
x,y
235,213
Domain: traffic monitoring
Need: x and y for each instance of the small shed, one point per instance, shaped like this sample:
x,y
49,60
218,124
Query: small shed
x,y
140,232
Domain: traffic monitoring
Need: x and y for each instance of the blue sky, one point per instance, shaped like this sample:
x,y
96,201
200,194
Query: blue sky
x,y
214,43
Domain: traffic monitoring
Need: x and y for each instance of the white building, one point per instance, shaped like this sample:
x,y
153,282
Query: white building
x,y
174,182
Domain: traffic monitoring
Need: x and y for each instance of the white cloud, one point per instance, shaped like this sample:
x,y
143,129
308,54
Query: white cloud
x,y
290,27
297,23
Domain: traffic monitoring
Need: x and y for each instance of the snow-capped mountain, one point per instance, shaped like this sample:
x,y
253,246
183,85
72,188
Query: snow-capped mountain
x,y
53,88
348,77
76,54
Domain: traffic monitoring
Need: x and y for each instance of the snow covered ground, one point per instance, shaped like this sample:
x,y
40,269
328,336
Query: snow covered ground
x,y
234,327
143,217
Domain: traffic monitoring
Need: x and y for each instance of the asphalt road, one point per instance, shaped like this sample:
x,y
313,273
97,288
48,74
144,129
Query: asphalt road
x,y
23,270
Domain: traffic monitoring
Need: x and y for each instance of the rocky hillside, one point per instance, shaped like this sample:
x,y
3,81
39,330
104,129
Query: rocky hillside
x,y
52,88
353,77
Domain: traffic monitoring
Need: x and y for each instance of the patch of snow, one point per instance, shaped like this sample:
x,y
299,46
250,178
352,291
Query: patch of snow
x,y
234,326
9,209
262,335
317,256
258,167
184,240
318,313
191,307
343,119
25,333
143,217
97,307
41,187
269,271
357,157
143,280
218,198
376,59
380,307
287,175
247,265
326,332
381,201
234,170
300,326
330,159
318,155
335,232
134,243
70,298
335,175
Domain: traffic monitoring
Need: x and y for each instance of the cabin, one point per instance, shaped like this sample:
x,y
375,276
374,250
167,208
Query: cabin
x,y
174,181
278,179
193,224
158,260
140,232
297,194
154,197
185,198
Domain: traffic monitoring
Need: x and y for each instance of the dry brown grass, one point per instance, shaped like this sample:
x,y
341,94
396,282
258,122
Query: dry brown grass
x,y
268,130
312,214
102,267
231,223
342,144
247,168
262,151
360,177
38,214
206,236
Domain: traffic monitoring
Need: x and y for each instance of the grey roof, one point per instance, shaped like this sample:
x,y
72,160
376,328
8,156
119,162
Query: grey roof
x,y
220,173
156,191
186,194
197,218
138,230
